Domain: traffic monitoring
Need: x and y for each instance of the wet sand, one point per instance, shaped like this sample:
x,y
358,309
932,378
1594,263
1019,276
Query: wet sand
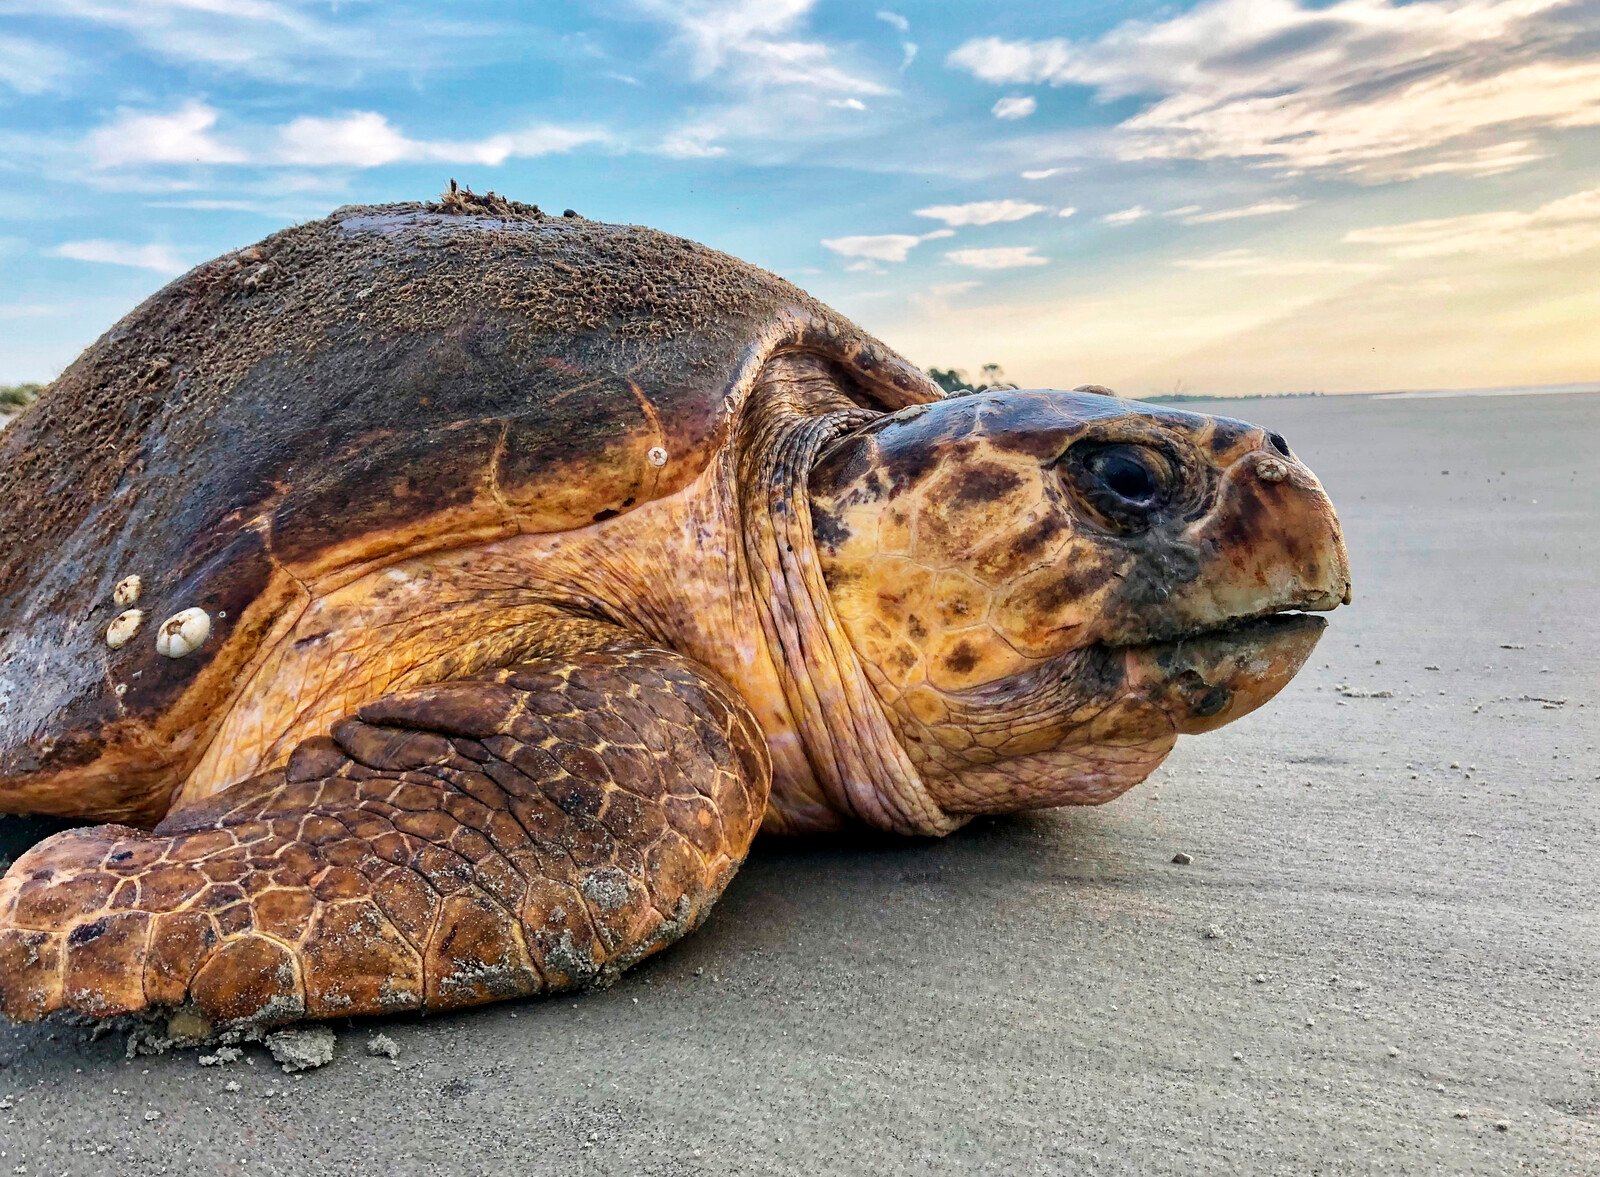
x,y
1385,954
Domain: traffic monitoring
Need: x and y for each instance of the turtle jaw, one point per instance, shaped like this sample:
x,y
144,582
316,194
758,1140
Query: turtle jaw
x,y
1209,678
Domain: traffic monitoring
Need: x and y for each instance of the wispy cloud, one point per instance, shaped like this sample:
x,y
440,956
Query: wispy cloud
x,y
882,247
981,212
1006,257
1373,88
1015,106
1262,208
185,136
1252,264
365,139
777,83
359,139
754,43
1126,216
281,41
159,258
30,67
1558,228
1043,173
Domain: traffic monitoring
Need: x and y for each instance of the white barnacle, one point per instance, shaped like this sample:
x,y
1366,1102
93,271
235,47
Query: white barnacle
x,y
183,633
127,591
1271,470
656,455
121,630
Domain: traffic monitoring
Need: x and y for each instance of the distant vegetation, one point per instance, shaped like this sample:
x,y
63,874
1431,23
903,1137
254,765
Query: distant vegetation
x,y
954,380
16,397
1177,398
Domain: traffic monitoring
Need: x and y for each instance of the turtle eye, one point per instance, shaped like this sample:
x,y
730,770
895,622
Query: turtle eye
x,y
1124,485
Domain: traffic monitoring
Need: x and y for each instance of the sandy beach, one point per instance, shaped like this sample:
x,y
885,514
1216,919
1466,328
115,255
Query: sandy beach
x,y
1384,956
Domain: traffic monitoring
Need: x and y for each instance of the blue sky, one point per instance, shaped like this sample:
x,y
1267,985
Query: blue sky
x,y
1235,196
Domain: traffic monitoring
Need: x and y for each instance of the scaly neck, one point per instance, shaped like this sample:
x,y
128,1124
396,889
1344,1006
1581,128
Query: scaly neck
x,y
844,761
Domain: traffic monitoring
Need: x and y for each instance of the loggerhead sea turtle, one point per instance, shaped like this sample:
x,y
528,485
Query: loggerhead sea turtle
x,y
456,590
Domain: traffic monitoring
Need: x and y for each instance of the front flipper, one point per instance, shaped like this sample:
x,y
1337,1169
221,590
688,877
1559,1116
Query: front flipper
x,y
539,829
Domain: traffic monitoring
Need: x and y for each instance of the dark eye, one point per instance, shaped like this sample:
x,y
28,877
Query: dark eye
x,y
1124,473
1125,485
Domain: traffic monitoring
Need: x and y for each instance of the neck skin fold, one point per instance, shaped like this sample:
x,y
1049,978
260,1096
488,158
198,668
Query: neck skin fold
x,y
850,752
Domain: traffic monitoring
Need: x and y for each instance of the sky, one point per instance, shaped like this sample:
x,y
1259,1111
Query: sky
x,y
1235,196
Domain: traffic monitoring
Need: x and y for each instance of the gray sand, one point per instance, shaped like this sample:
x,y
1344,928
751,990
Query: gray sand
x,y
1374,961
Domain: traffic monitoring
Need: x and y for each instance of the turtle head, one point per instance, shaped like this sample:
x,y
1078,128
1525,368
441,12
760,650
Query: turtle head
x,y
1047,588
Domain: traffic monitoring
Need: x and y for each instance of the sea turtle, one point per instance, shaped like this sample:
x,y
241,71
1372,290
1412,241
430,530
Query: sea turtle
x,y
457,589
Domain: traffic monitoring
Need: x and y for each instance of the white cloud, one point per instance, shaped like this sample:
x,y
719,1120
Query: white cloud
x,y
1126,216
1251,264
182,137
1067,212
881,247
1000,258
30,67
778,84
365,139
1489,160
1043,173
1558,228
981,212
1014,107
282,41
692,143
894,20
750,44
1372,88
159,258
1262,208
361,139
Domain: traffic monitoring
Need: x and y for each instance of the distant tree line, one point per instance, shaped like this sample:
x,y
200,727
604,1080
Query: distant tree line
x,y
954,380
990,377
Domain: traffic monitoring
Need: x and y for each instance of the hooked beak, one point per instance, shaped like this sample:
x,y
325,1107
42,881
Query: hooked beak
x,y
1234,637
1276,541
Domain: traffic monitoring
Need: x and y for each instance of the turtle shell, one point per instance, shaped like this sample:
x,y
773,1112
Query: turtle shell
x,y
386,381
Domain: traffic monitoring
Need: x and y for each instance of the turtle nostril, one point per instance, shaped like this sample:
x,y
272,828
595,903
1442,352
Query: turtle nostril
x,y
1276,439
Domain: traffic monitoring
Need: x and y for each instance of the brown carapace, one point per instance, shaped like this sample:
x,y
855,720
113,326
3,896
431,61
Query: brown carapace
x,y
441,598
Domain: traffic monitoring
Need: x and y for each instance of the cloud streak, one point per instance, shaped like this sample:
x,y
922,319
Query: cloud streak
x,y
882,247
1008,257
188,136
159,258
981,212
1262,208
280,42
1370,88
1558,228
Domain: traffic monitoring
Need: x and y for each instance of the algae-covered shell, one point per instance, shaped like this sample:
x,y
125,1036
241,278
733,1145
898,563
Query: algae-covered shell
x,y
384,382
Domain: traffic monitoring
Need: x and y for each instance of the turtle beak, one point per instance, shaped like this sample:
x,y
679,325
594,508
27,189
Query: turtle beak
x,y
1270,543
1214,678
1232,637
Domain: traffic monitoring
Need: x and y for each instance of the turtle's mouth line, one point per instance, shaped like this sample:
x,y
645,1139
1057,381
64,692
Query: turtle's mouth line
x,y
1250,627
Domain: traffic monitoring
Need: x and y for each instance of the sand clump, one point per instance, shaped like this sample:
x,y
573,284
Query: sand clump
x,y
302,1048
